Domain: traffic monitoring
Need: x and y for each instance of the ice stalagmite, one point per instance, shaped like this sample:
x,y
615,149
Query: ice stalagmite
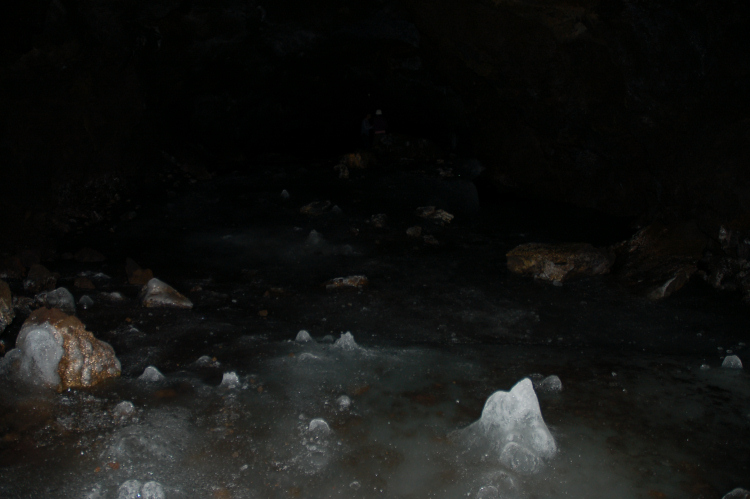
x,y
513,429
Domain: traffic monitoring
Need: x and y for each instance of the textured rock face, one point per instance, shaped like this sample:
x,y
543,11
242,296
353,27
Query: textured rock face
x,y
558,262
660,259
6,306
54,349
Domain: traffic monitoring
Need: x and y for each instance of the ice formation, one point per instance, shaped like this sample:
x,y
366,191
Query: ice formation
x,y
344,403
732,362
160,294
230,380
151,375
319,426
550,384
303,337
512,427
132,489
346,342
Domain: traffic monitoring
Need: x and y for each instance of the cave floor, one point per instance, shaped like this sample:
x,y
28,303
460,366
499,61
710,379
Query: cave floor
x,y
438,329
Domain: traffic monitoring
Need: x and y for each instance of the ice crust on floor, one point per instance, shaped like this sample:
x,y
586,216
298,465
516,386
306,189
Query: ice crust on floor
x,y
513,430
731,362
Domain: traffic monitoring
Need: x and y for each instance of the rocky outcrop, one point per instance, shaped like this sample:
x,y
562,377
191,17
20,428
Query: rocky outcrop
x,y
558,262
6,306
54,350
660,259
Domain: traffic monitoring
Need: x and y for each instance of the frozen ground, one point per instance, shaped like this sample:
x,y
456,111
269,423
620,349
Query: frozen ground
x,y
245,411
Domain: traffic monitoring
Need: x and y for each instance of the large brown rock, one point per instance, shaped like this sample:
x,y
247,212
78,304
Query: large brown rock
x,y
54,349
558,262
6,305
660,259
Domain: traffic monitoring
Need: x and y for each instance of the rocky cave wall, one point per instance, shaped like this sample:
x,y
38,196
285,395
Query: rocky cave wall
x,y
632,107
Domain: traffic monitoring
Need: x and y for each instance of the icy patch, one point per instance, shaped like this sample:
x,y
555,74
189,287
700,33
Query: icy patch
x,y
513,429
151,375
304,337
230,381
732,362
346,343
344,403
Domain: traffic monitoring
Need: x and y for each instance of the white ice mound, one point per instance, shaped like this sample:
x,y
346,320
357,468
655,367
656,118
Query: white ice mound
x,y
304,337
132,489
344,403
550,384
160,294
346,342
514,430
319,426
230,380
151,375
732,362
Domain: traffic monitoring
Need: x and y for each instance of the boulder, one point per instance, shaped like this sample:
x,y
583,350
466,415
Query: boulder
x,y
53,349
6,305
60,298
157,293
558,262
137,275
512,429
39,279
660,259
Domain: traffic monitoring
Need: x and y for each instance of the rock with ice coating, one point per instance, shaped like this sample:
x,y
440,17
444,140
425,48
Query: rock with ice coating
x,y
344,403
230,380
319,426
346,342
304,337
60,298
54,349
732,362
737,494
514,430
550,384
151,375
160,294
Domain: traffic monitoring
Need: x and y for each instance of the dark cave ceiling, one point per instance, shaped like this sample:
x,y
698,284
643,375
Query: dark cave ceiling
x,y
630,107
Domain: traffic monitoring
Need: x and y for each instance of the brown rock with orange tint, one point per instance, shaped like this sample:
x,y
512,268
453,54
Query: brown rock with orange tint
x,y
54,349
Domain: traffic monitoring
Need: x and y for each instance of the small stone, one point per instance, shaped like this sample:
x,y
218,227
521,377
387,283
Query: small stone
x,y
136,275
123,410
159,294
284,194
737,493
83,283
60,298
344,403
351,282
550,384
230,380
152,490
129,490
151,375
319,426
39,279
304,337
